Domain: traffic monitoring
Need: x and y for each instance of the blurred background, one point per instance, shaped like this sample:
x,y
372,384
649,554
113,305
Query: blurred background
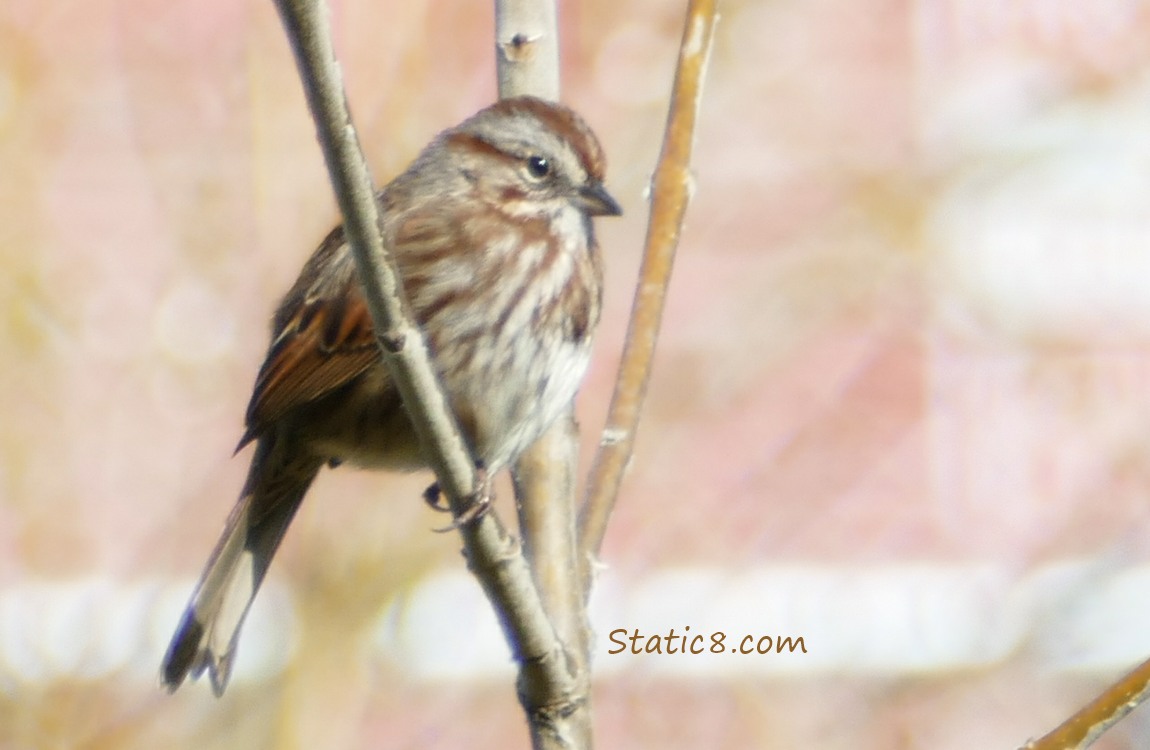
x,y
900,409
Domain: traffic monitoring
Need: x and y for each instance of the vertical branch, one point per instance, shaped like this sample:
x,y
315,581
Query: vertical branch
x,y
670,194
545,479
527,63
527,48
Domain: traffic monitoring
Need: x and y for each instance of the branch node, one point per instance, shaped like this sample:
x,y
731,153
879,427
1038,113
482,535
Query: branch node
x,y
519,48
392,341
533,675
614,435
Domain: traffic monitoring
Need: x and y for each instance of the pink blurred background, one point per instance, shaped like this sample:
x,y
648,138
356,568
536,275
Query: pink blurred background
x,y
907,348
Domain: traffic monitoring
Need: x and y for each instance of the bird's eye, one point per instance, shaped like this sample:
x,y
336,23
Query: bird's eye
x,y
538,167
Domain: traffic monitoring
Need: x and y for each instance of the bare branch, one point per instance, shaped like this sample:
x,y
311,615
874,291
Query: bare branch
x,y
400,339
527,48
670,194
545,479
1083,728
527,63
492,553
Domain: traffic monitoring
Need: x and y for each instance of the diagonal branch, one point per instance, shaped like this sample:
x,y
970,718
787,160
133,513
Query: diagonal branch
x,y
670,194
400,339
493,555
1088,724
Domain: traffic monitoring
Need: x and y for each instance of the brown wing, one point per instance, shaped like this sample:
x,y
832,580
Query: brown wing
x,y
322,338
322,335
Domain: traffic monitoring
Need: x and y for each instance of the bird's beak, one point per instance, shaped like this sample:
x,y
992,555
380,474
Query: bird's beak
x,y
596,201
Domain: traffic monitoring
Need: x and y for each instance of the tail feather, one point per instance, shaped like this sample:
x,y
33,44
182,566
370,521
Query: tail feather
x,y
209,629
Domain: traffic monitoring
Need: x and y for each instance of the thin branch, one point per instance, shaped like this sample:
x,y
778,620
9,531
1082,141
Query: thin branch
x,y
493,555
400,339
670,194
527,62
1091,722
527,48
545,479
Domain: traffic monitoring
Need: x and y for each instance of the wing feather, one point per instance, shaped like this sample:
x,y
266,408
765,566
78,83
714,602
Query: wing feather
x,y
322,338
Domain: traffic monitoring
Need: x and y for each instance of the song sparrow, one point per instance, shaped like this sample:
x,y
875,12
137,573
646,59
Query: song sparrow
x,y
491,229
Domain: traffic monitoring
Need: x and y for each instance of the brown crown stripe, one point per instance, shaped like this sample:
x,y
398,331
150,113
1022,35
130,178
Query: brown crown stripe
x,y
566,124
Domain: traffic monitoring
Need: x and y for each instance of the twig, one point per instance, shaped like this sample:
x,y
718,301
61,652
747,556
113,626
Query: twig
x,y
670,194
1091,722
493,555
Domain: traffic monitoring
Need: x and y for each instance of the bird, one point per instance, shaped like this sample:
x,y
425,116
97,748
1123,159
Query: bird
x,y
491,230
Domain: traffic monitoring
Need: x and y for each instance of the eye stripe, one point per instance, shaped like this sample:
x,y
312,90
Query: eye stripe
x,y
472,142
554,118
